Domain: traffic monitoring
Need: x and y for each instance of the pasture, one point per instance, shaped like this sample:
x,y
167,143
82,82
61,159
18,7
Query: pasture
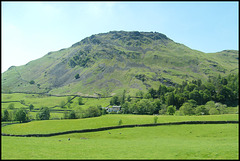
x,y
208,141
22,100
161,142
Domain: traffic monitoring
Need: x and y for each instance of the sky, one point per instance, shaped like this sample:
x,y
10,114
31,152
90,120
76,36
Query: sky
x,y
29,30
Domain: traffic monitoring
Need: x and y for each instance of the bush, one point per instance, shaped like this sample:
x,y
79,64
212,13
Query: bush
x,y
187,109
120,122
213,111
21,115
201,110
11,106
44,114
30,107
77,76
163,110
155,119
32,82
5,115
171,110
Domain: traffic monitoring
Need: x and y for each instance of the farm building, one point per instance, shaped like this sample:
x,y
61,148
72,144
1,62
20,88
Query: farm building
x,y
113,109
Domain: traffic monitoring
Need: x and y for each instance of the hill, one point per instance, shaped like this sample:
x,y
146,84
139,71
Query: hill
x,y
107,63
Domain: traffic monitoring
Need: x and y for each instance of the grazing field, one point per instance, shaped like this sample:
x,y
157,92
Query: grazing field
x,y
218,141
22,100
207,141
52,126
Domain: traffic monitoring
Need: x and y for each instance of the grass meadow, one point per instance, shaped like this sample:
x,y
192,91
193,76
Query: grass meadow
x,y
205,141
162,142
53,102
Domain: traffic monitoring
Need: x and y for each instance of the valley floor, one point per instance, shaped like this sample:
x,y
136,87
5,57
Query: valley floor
x,y
209,141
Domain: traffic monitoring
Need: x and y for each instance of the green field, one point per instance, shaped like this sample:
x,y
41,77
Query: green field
x,y
161,142
52,126
53,102
208,141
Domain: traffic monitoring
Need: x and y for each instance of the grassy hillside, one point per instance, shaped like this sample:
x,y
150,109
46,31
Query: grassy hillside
x,y
109,62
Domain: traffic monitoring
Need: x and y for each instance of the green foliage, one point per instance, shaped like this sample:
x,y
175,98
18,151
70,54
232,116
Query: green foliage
x,y
120,122
32,82
77,76
5,115
213,111
201,110
93,111
43,114
62,104
80,101
141,77
21,115
11,106
31,107
187,109
171,110
115,100
155,118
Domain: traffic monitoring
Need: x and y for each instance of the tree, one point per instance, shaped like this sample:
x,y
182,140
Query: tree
x,y
72,115
11,106
187,109
93,111
43,114
129,98
120,122
171,110
155,119
77,76
5,115
32,82
115,101
30,107
170,99
80,101
201,110
122,100
140,94
213,111
195,96
152,92
21,115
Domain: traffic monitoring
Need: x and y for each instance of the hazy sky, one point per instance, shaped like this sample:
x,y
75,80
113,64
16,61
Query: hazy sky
x,y
32,29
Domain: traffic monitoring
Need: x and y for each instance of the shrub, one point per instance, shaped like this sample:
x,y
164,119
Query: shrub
x,y
201,110
77,76
30,107
44,114
120,122
32,82
213,111
171,110
21,115
11,106
155,119
187,109
5,115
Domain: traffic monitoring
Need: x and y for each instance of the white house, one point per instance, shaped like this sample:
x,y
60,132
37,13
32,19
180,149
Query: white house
x,y
113,109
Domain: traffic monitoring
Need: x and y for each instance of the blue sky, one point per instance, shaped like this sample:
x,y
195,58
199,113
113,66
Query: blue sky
x,y
32,29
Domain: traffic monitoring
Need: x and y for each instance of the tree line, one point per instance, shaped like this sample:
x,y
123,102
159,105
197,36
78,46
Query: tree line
x,y
190,97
